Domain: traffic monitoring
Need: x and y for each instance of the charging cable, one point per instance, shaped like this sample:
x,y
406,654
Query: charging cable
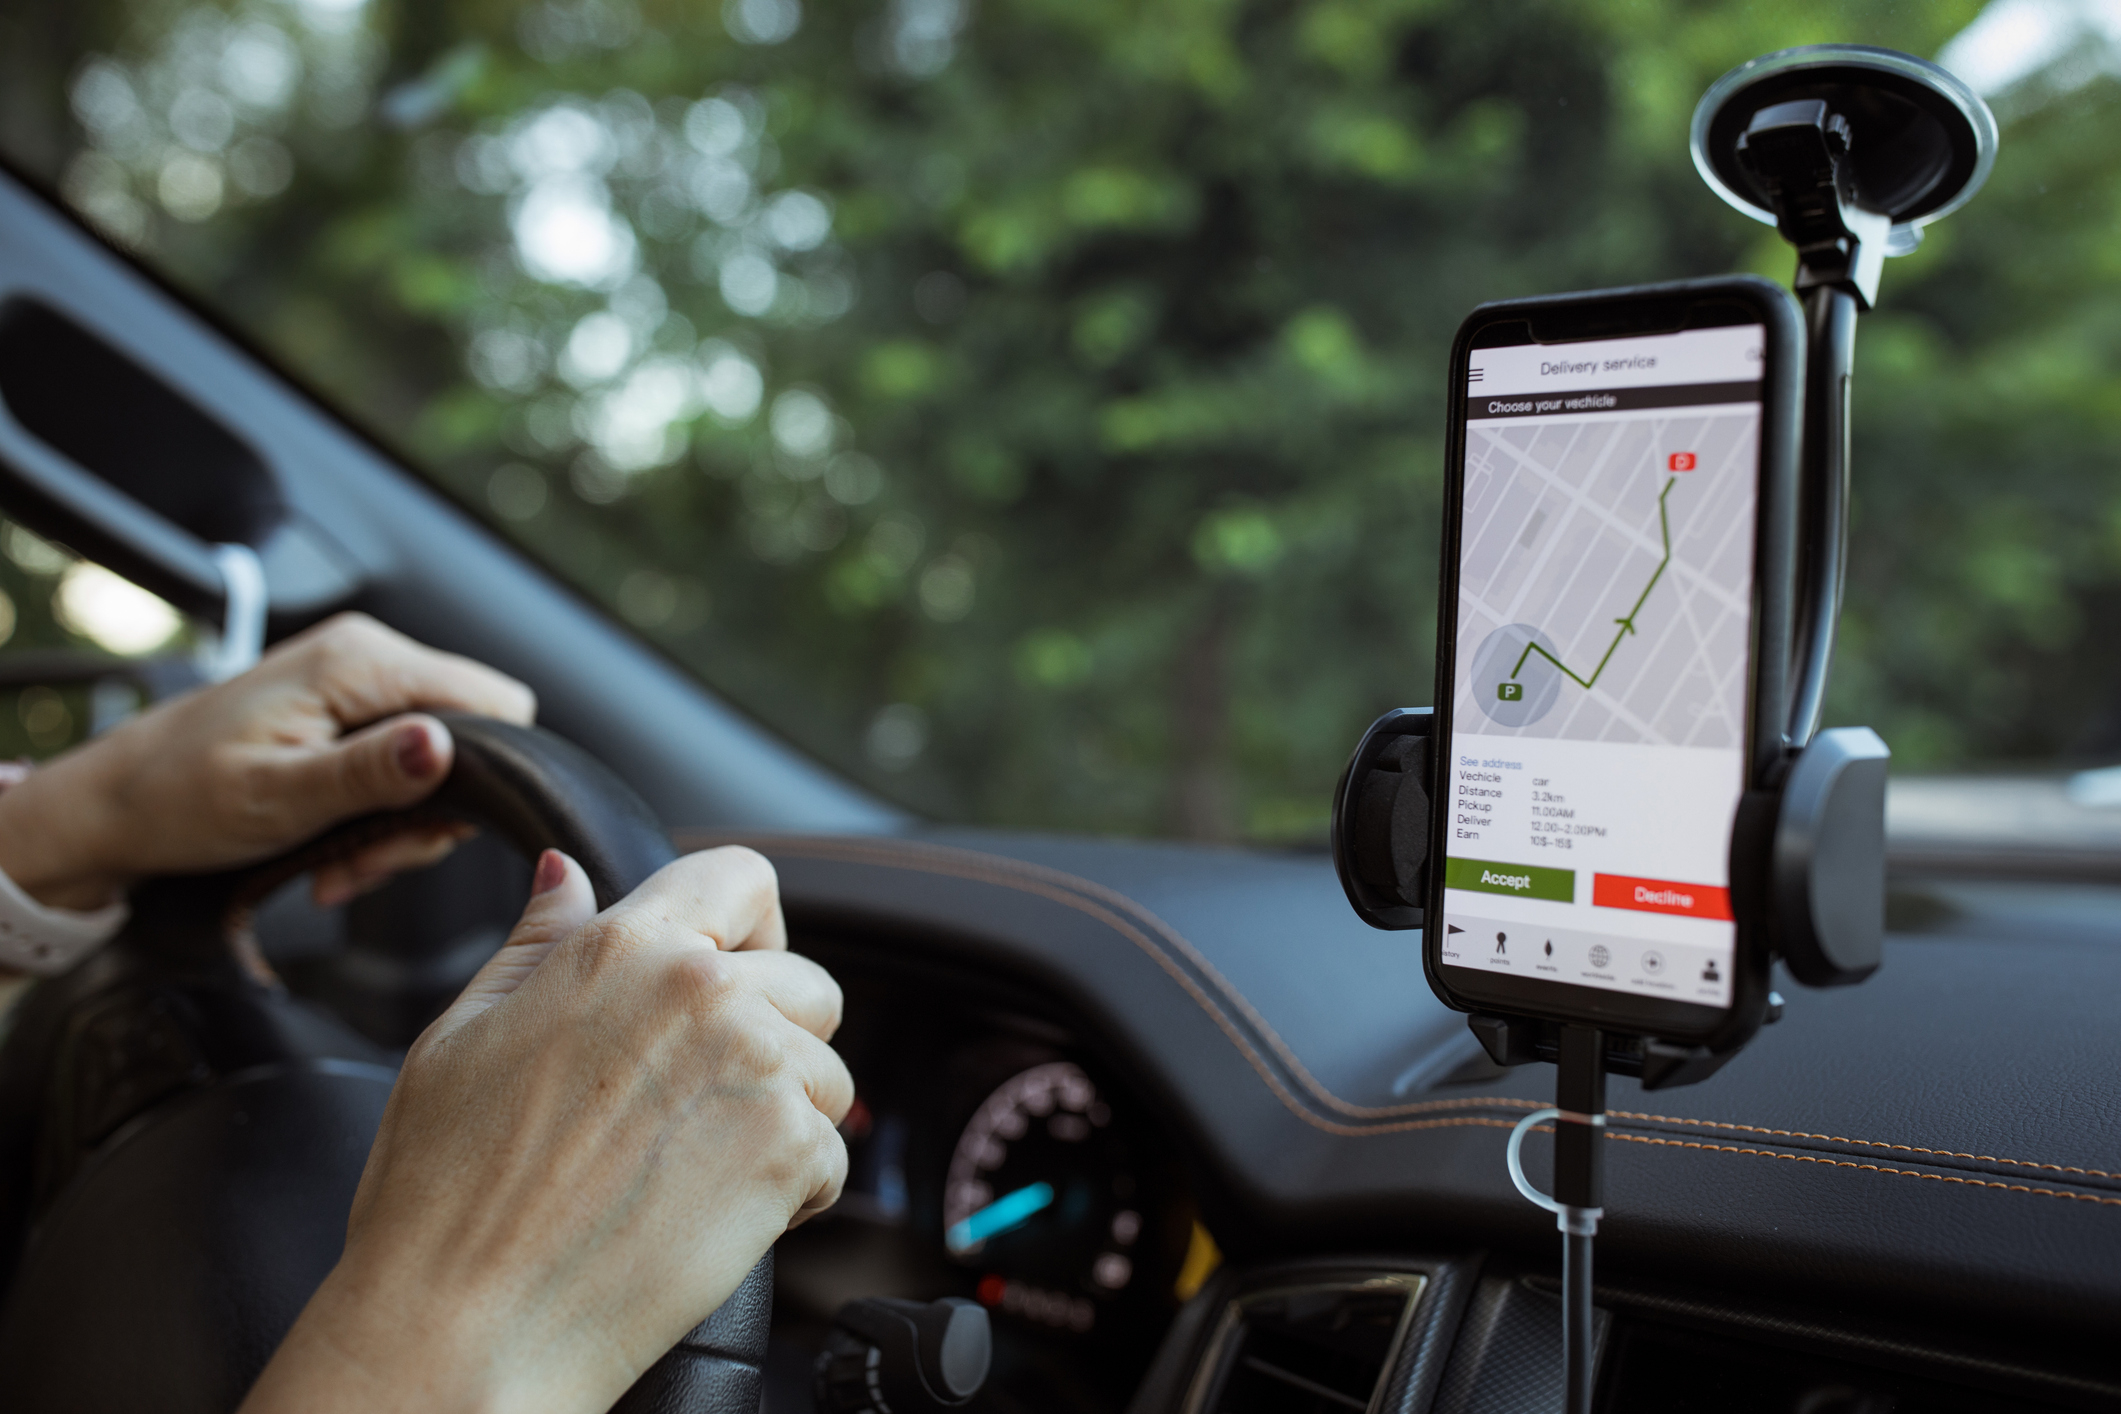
x,y
1579,1187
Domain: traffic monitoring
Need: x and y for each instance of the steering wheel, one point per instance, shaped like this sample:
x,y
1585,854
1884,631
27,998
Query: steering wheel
x,y
180,1138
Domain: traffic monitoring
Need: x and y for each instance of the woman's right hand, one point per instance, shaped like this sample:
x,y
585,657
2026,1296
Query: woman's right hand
x,y
584,1155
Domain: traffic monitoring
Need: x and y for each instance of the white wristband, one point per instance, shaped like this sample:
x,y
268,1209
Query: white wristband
x,y
47,941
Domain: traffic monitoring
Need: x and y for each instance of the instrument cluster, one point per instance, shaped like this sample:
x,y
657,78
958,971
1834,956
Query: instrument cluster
x,y
992,1155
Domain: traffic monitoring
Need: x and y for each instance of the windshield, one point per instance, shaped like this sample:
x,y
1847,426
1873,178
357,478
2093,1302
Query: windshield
x,y
1036,410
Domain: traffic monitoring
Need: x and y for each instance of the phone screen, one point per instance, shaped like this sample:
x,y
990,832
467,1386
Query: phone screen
x,y
1599,712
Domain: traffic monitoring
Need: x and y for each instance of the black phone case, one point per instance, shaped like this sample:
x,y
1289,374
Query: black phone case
x,y
1619,313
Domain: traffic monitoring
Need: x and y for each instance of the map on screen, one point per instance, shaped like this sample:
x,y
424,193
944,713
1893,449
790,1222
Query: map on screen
x,y
1600,595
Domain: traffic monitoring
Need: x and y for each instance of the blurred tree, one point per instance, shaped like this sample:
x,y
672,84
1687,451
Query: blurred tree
x,y
1036,411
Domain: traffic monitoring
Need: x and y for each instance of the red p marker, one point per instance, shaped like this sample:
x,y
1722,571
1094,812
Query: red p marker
x,y
1680,461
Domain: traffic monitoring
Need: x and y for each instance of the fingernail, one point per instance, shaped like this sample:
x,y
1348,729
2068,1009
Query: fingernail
x,y
552,868
417,756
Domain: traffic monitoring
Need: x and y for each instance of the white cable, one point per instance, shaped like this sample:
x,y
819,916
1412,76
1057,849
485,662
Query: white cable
x,y
1577,1222
242,636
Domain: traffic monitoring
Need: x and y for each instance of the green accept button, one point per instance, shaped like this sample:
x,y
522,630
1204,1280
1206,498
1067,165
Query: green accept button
x,y
1523,880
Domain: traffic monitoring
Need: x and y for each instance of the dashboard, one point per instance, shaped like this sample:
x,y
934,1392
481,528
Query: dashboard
x,y
1193,1067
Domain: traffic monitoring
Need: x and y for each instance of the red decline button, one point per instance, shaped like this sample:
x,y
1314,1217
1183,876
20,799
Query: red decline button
x,y
1660,896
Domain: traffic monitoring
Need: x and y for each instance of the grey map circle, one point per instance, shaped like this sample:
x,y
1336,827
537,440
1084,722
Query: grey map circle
x,y
1515,688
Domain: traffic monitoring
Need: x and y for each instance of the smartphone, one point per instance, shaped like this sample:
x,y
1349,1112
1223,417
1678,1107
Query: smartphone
x,y
1613,653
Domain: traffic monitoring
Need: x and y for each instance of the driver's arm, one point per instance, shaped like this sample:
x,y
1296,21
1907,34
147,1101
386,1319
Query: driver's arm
x,y
328,726
583,1156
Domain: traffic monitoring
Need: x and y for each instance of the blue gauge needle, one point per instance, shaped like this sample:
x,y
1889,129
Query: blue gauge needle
x,y
1006,1212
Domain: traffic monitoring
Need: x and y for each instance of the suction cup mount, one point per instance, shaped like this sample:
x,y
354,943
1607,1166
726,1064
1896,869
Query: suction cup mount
x,y
1848,150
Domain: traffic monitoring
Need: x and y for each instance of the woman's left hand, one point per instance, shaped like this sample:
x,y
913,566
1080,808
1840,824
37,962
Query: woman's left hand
x,y
328,726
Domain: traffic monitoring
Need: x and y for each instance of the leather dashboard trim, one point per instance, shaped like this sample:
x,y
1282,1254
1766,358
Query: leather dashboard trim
x,y
1868,1168
1868,1143
1235,1015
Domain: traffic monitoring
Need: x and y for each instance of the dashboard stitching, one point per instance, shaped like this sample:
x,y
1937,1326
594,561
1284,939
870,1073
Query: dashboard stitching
x,y
998,869
1866,1143
1281,1048
1872,1168
1207,1004
1707,1147
1244,1005
1134,935
1069,890
1281,1091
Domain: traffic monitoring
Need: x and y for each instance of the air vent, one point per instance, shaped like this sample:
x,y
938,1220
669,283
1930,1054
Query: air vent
x,y
1325,1347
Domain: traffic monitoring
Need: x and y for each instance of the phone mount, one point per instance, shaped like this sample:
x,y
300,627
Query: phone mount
x,y
1849,152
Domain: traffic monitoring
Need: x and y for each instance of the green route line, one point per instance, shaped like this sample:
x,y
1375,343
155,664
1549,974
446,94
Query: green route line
x,y
1627,625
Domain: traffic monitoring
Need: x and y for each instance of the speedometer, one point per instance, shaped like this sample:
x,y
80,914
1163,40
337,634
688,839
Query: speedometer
x,y
1041,1197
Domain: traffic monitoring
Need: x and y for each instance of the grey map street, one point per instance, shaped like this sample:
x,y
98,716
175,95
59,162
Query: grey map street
x,y
1565,578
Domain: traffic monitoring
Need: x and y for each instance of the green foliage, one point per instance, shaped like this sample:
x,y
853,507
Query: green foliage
x,y
1093,478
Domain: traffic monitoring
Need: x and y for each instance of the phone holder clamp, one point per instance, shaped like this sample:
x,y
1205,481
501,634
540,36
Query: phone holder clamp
x,y
1381,819
1812,870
